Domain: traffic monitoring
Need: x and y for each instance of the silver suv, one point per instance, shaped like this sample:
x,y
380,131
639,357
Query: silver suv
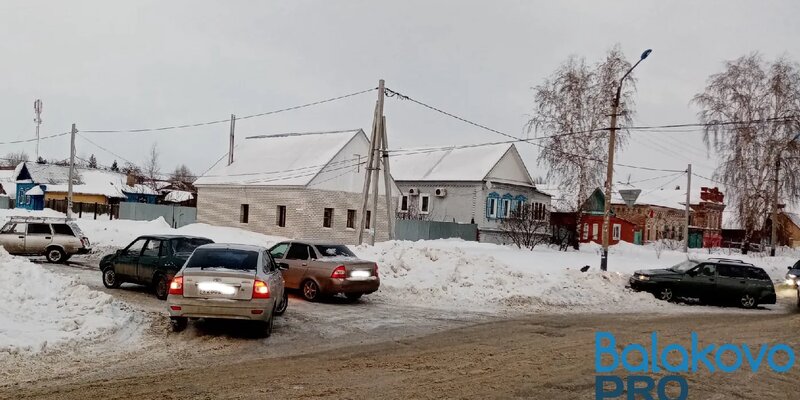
x,y
55,238
228,281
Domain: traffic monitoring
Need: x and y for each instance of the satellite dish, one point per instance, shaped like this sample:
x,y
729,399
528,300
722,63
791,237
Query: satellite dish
x,y
630,196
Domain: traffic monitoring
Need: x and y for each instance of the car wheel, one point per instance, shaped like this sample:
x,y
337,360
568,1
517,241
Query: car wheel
x,y
284,304
266,326
353,296
178,324
665,293
748,301
160,286
110,278
310,290
55,255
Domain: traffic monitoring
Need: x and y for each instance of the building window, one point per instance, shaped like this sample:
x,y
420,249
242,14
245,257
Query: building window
x,y
538,211
505,211
595,230
244,213
403,203
424,203
491,208
367,219
281,217
351,219
616,231
327,218
585,231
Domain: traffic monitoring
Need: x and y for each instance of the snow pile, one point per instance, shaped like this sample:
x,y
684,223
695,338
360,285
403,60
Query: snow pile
x,y
485,277
41,309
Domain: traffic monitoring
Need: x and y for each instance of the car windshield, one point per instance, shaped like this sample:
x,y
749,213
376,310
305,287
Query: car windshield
x,y
334,251
245,260
187,245
683,266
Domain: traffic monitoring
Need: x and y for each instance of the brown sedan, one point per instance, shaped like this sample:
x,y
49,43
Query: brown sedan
x,y
319,269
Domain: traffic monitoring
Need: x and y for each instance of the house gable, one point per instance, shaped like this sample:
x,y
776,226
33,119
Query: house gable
x,y
510,169
346,171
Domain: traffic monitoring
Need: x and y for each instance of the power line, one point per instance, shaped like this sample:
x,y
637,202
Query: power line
x,y
392,93
35,139
164,128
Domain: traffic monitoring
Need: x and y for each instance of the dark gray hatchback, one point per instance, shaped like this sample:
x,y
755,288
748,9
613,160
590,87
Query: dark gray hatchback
x,y
710,281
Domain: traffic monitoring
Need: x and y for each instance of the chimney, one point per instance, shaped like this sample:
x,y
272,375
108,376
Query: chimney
x,y
130,179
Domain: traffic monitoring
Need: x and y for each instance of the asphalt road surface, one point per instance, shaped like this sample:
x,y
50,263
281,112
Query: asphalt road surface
x,y
535,357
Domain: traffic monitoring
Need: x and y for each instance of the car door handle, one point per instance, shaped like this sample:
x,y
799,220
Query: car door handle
x,y
742,282
48,237
21,237
304,264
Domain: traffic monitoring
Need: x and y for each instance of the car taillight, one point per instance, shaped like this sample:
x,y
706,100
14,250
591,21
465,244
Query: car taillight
x,y
176,286
339,273
85,241
375,271
260,290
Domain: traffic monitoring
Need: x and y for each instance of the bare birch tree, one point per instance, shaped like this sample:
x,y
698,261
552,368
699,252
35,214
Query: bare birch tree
x,y
182,177
751,110
572,113
13,159
152,168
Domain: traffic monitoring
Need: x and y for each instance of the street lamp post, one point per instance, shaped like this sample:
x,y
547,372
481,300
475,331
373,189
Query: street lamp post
x,y
774,239
612,138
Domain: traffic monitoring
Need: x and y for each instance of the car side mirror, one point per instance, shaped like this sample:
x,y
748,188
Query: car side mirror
x,y
283,266
789,267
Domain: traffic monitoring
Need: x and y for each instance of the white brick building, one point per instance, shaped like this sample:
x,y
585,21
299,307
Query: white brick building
x,y
297,185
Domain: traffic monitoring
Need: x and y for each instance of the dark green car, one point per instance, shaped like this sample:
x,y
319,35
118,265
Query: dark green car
x,y
150,260
714,280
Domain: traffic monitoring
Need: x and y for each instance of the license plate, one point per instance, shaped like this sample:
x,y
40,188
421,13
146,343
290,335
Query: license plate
x,y
360,274
207,288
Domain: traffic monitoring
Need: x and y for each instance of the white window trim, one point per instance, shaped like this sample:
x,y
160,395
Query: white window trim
x,y
424,196
493,208
400,203
595,230
616,232
585,231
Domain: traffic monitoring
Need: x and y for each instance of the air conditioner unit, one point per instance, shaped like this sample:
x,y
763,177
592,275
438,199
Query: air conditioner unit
x,y
440,192
413,192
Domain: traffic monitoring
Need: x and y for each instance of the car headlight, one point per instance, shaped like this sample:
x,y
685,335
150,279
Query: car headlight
x,y
643,277
791,276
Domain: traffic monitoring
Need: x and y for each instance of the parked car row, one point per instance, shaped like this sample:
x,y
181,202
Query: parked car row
x,y
203,279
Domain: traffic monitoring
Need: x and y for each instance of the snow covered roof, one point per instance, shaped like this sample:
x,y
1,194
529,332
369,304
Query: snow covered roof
x,y
35,191
469,164
291,159
88,180
8,182
560,201
178,196
670,198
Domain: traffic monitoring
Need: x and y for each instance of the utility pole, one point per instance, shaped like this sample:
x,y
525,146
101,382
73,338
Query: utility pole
x,y
387,180
612,139
230,145
371,160
71,169
376,170
37,109
774,241
688,210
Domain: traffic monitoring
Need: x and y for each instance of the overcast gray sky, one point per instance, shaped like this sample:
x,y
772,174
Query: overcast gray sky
x,y
110,65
